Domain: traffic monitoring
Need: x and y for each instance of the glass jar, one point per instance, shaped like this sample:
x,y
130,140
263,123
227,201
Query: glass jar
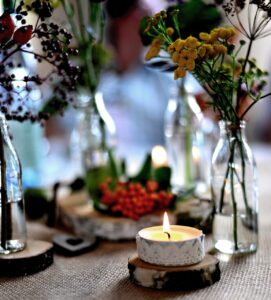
x,y
92,140
12,225
185,140
234,191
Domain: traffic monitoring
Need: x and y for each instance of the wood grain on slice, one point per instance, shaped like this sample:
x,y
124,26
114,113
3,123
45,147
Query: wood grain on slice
x,y
196,276
36,257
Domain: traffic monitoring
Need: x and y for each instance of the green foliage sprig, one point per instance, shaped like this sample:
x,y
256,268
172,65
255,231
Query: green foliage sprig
x,y
213,56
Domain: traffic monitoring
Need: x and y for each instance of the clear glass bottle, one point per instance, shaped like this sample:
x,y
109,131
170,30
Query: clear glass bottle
x,y
234,191
93,137
12,225
184,140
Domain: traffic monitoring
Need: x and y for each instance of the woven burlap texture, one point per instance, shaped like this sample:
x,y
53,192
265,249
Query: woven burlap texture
x,y
102,274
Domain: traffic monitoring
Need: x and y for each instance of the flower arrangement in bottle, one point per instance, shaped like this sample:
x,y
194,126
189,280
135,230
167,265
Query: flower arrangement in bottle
x,y
235,84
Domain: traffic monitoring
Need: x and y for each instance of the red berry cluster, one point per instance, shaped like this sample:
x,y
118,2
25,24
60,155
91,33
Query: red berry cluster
x,y
7,31
133,200
54,49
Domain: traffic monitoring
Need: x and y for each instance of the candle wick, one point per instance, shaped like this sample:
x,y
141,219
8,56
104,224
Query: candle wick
x,y
168,234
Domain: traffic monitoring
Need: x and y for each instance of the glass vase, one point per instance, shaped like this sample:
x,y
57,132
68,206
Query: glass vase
x,y
12,225
95,138
185,140
234,192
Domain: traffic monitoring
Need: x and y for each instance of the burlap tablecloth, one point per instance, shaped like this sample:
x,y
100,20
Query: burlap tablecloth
x,y
102,274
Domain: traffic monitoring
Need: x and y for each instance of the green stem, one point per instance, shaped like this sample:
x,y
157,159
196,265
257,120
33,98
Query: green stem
x,y
239,89
230,171
70,14
81,20
187,137
243,181
222,191
234,205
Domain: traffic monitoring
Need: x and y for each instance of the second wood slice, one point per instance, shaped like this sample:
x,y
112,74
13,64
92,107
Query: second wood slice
x,y
200,275
77,213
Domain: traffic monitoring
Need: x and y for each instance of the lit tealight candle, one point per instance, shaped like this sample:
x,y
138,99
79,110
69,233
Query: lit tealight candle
x,y
170,245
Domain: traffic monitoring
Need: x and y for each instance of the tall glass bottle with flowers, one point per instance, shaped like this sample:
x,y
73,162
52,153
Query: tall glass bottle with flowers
x,y
94,134
185,140
17,93
235,85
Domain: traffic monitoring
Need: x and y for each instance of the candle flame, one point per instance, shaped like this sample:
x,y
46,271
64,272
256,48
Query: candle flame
x,y
166,225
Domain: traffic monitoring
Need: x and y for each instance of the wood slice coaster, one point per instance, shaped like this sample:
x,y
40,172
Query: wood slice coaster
x,y
77,213
191,277
36,257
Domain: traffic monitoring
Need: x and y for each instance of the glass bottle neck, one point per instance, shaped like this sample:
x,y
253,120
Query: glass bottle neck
x,y
4,126
232,130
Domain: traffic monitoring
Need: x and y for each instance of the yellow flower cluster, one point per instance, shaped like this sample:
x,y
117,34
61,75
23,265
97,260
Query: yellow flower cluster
x,y
217,34
186,52
154,48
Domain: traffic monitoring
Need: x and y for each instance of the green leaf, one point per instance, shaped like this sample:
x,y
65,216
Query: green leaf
x,y
114,170
194,17
162,176
69,9
145,172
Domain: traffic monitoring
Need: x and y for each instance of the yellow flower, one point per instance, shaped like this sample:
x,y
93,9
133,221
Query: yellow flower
x,y
192,53
226,33
154,48
220,49
175,46
152,52
204,36
157,42
184,54
213,36
179,73
202,51
175,57
190,64
191,42
209,50
171,48
179,44
223,33
182,62
170,31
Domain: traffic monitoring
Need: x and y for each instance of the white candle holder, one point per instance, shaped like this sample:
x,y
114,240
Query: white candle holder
x,y
180,252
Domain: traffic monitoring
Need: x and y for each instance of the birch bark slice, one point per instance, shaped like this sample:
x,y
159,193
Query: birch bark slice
x,y
192,277
77,213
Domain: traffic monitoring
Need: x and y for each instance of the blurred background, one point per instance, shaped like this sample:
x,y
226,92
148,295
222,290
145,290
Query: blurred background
x,y
135,96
